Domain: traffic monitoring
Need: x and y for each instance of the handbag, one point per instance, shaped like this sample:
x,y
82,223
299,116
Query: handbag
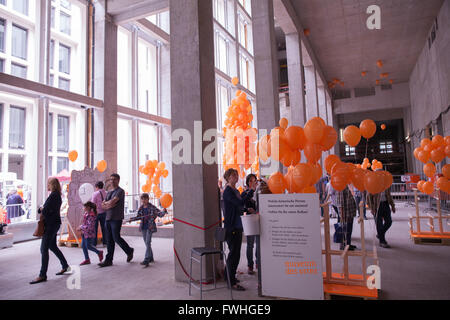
x,y
338,233
39,232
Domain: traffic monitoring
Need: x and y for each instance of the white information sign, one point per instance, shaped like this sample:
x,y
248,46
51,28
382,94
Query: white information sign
x,y
291,248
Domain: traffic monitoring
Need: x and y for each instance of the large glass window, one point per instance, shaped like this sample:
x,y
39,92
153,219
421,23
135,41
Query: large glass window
x,y
124,152
148,146
62,164
220,7
19,42
147,99
222,54
63,84
52,17
63,133
16,128
64,23
2,35
18,70
124,67
64,58
52,53
16,165
50,166
21,6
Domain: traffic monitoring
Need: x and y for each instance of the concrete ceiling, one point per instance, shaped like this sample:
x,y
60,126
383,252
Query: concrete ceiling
x,y
345,47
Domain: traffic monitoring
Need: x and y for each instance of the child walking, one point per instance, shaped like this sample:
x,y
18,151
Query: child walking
x,y
88,232
147,213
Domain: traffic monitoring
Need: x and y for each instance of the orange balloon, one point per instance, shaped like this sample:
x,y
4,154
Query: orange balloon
x,y
424,156
343,170
102,165
165,173
352,136
339,181
428,188
443,184
235,81
284,123
429,147
313,152
314,130
420,185
276,183
357,179
161,166
316,173
295,137
438,141
388,179
446,171
302,175
166,200
373,182
278,148
429,169
330,161
296,157
447,140
288,158
290,184
383,127
438,154
417,151
73,155
329,138
368,128
424,142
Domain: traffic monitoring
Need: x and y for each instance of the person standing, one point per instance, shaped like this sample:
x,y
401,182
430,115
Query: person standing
x,y
114,206
52,222
13,205
97,198
332,193
347,212
379,206
248,196
321,188
233,209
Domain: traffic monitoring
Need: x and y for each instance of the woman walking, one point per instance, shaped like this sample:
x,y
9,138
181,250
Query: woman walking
x,y
52,222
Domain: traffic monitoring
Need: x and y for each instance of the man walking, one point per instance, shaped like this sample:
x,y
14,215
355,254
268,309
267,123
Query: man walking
x,y
114,206
347,212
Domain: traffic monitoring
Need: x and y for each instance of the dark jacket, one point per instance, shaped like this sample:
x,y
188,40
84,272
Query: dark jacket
x,y
233,209
51,210
373,200
148,216
247,197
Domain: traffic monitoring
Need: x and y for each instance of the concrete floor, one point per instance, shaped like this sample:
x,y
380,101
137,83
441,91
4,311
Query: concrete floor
x,y
408,271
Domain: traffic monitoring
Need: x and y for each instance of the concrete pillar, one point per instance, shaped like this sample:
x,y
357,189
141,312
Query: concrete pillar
x,y
193,99
312,105
266,73
296,79
105,88
266,64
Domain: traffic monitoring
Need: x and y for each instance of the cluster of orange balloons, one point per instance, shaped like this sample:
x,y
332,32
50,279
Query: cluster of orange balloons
x,y
240,137
435,149
353,134
284,144
343,174
299,179
154,171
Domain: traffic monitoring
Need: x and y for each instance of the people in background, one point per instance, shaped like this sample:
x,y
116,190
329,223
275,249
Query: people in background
x,y
332,194
233,209
380,205
360,196
249,194
114,205
321,188
148,213
13,205
52,223
347,212
89,233
97,198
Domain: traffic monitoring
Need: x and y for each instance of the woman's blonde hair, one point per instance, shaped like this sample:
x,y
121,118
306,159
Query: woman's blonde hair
x,y
54,185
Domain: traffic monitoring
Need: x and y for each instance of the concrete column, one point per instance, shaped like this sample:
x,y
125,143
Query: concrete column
x,y
312,105
39,193
193,100
266,64
105,88
296,79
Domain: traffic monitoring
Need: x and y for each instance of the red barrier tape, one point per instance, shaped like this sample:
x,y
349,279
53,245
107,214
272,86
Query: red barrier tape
x,y
193,225
179,261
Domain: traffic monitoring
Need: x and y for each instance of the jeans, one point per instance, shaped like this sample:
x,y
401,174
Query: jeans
x,y
250,244
147,235
358,200
49,242
101,217
88,244
383,220
112,237
234,242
